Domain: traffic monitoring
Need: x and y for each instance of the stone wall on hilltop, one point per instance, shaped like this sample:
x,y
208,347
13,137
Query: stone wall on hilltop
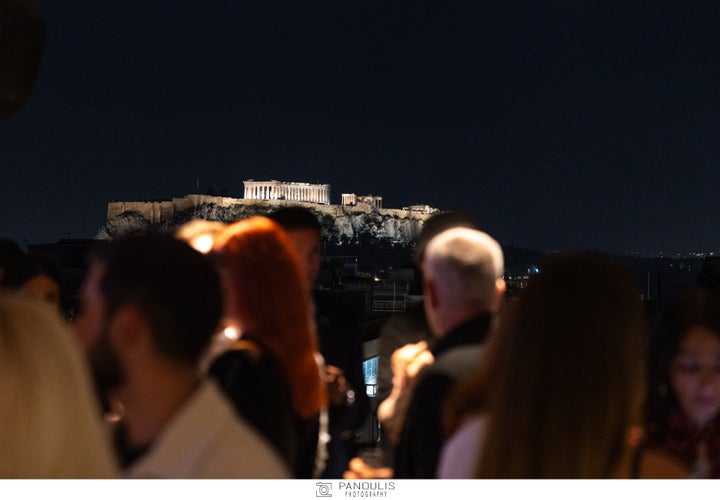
x,y
341,224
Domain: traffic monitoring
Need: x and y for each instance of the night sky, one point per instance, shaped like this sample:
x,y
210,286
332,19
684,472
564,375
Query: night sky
x,y
559,124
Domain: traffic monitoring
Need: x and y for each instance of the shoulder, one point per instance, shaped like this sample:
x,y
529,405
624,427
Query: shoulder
x,y
244,377
456,362
459,456
405,328
206,439
250,359
438,379
228,443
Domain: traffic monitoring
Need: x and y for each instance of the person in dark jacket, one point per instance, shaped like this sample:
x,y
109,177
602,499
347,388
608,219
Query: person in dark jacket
x,y
463,288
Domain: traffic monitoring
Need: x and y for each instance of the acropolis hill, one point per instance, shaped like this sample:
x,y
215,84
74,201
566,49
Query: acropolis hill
x,y
356,217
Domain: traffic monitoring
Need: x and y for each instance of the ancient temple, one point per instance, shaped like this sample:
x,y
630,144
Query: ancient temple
x,y
292,191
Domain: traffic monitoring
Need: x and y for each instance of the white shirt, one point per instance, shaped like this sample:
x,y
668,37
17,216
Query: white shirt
x,y
206,439
460,453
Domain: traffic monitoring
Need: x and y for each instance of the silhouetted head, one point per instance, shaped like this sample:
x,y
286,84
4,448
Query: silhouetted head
x,y
35,276
175,288
436,224
303,227
10,250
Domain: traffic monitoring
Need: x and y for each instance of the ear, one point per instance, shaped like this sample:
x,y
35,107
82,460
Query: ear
x,y
431,304
130,331
431,293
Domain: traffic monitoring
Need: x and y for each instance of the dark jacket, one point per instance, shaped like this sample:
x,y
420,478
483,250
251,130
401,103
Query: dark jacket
x,y
421,439
340,346
261,394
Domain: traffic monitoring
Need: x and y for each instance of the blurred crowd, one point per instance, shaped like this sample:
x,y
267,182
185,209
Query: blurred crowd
x,y
208,353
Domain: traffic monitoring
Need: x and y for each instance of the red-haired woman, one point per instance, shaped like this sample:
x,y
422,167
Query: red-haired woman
x,y
272,371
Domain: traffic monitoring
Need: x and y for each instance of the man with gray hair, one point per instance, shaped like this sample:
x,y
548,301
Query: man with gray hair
x,y
463,290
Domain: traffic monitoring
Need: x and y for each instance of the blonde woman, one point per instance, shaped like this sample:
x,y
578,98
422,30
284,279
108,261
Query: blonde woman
x,y
50,423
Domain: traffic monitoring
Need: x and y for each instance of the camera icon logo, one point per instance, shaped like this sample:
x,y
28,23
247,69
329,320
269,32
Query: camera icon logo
x,y
324,490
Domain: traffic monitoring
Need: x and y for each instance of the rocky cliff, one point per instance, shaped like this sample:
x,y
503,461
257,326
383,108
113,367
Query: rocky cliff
x,y
340,225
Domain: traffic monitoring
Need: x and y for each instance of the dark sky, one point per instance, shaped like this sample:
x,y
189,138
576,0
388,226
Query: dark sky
x,y
559,124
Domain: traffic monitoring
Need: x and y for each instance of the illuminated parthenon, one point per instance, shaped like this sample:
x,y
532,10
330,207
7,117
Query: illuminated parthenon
x,y
293,191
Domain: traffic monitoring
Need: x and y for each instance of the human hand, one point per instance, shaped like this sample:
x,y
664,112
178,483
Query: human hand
x,y
408,361
359,469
